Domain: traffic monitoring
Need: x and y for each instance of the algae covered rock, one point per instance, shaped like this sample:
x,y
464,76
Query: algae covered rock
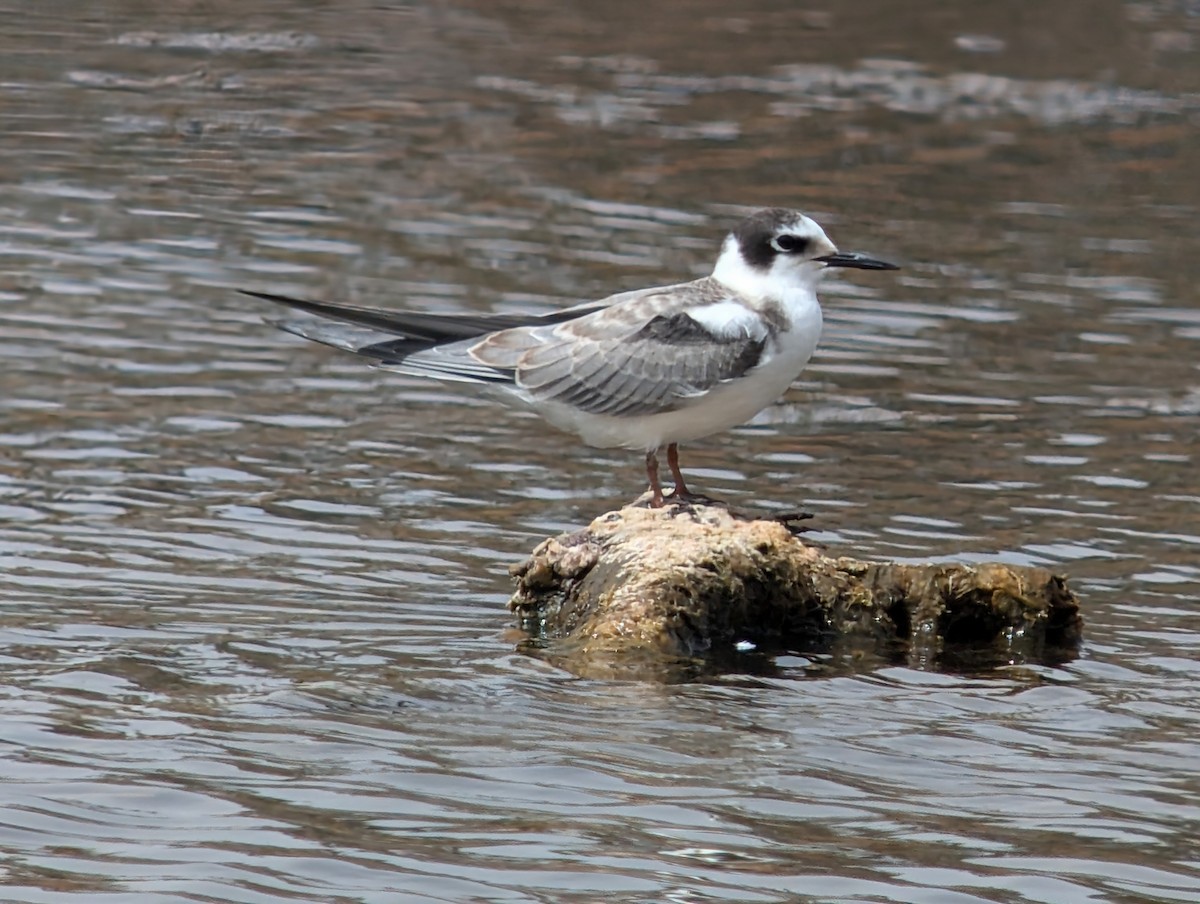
x,y
689,581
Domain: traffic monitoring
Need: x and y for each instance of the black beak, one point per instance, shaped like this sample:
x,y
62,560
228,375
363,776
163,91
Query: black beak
x,y
856,260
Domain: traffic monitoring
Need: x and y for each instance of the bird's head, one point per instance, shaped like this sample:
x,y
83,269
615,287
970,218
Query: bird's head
x,y
776,251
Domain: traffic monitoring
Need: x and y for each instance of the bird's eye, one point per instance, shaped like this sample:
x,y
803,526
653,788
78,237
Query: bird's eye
x,y
789,244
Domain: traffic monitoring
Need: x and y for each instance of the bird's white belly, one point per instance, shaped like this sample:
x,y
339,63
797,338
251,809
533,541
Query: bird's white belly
x,y
725,406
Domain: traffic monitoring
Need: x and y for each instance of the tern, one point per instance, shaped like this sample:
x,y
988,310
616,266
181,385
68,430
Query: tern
x,y
640,370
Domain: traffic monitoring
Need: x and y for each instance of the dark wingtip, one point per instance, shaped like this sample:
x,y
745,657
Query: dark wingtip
x,y
347,313
269,296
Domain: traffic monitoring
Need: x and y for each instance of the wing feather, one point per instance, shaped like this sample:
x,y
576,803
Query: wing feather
x,y
666,363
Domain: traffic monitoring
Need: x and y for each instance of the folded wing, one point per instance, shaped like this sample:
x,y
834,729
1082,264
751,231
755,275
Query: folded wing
x,y
652,354
638,353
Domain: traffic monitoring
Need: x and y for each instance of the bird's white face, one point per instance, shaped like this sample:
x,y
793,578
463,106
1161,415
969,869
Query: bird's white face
x,y
798,245
773,254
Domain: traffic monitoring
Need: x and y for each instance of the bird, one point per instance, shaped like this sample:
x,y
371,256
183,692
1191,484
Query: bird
x,y
642,370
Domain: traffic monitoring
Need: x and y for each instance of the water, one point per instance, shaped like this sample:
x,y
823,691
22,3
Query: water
x,y
254,636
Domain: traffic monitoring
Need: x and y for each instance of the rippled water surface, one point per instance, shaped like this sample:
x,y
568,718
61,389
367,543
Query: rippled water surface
x,y
255,646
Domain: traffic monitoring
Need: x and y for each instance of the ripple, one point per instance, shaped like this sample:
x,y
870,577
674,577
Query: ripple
x,y
220,42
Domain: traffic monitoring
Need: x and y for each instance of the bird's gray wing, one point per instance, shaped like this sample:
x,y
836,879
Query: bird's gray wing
x,y
654,353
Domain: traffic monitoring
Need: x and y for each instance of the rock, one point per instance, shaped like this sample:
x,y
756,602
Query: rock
x,y
648,589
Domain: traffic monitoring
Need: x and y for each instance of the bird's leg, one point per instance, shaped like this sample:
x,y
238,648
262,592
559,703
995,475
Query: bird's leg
x,y
681,492
656,493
